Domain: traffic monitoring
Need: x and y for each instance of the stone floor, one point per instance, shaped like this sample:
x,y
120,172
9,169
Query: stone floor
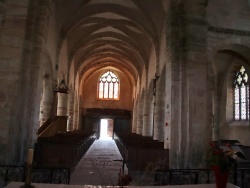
x,y
98,165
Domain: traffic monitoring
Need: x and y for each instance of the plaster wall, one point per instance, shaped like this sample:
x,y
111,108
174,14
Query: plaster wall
x,y
89,93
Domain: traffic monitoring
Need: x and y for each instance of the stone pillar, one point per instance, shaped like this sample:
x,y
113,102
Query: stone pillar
x,y
190,130
46,103
62,104
147,129
134,125
159,113
70,105
216,129
140,115
76,113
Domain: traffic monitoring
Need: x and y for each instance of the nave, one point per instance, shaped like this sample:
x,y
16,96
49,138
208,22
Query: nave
x,y
98,166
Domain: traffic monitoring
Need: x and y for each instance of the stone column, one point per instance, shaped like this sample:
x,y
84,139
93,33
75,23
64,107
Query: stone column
x,y
159,113
70,105
62,104
46,103
147,129
216,129
134,128
190,132
140,115
76,113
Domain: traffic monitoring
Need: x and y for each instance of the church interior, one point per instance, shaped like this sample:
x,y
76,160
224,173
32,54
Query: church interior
x,y
166,76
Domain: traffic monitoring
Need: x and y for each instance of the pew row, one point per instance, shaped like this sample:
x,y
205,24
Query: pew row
x,y
63,149
141,153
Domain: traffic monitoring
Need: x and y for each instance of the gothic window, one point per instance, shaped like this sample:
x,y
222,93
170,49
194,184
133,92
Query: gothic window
x,y
241,95
108,86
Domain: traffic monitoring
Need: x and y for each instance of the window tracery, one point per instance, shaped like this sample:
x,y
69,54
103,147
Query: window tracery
x,y
241,95
109,86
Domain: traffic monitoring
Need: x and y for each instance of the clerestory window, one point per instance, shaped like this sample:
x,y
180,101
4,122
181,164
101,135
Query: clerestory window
x,y
241,95
109,85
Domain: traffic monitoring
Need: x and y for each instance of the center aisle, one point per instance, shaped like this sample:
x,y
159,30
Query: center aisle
x,y
97,167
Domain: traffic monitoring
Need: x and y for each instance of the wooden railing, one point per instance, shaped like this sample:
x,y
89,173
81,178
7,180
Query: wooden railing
x,y
63,149
52,126
141,152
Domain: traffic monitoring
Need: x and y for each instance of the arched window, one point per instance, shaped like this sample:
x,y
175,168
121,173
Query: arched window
x,y
109,86
241,95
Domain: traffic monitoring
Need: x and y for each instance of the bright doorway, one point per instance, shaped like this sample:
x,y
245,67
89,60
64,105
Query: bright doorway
x,y
106,129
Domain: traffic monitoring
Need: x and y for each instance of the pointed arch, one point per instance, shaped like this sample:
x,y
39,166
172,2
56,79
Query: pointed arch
x,y
241,95
109,86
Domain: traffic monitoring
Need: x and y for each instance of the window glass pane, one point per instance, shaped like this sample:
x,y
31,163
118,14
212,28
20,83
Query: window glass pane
x,y
104,79
106,87
243,103
101,90
109,78
243,111
116,87
241,95
236,95
111,89
237,112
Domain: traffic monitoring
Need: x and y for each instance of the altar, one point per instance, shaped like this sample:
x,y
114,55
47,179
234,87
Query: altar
x,y
41,185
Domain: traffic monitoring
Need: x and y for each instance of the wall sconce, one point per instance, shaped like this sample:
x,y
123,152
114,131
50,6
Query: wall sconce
x,y
62,87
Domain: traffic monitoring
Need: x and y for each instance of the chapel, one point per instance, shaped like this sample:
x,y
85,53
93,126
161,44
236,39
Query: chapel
x,y
176,71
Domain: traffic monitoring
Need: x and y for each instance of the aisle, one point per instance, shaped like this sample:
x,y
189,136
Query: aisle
x,y
97,167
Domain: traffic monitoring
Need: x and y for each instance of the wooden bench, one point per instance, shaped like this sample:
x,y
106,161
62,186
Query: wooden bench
x,y
142,153
63,149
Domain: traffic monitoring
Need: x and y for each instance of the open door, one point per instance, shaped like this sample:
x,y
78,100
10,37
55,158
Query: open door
x,y
106,128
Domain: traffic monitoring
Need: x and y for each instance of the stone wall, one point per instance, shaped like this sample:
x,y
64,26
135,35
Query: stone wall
x,y
13,23
23,39
189,122
89,93
231,33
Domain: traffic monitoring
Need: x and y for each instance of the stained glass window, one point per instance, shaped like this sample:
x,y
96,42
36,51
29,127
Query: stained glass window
x,y
109,86
241,95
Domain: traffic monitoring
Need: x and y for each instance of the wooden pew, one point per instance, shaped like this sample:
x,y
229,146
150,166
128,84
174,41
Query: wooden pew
x,y
63,149
141,152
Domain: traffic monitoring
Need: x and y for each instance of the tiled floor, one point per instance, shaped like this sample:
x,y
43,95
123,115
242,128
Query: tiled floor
x,y
97,167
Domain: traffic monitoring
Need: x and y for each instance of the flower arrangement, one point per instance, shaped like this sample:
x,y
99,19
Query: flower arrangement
x,y
223,156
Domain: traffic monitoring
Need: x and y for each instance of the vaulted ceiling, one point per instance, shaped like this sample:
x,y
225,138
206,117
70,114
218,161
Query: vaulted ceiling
x,y
118,33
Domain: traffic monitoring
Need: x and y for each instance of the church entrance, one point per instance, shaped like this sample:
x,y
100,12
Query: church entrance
x,y
106,129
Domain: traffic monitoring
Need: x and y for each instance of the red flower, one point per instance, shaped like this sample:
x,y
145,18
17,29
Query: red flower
x,y
221,155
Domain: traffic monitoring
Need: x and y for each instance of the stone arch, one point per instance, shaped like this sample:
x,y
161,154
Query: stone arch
x,y
226,61
121,11
229,43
